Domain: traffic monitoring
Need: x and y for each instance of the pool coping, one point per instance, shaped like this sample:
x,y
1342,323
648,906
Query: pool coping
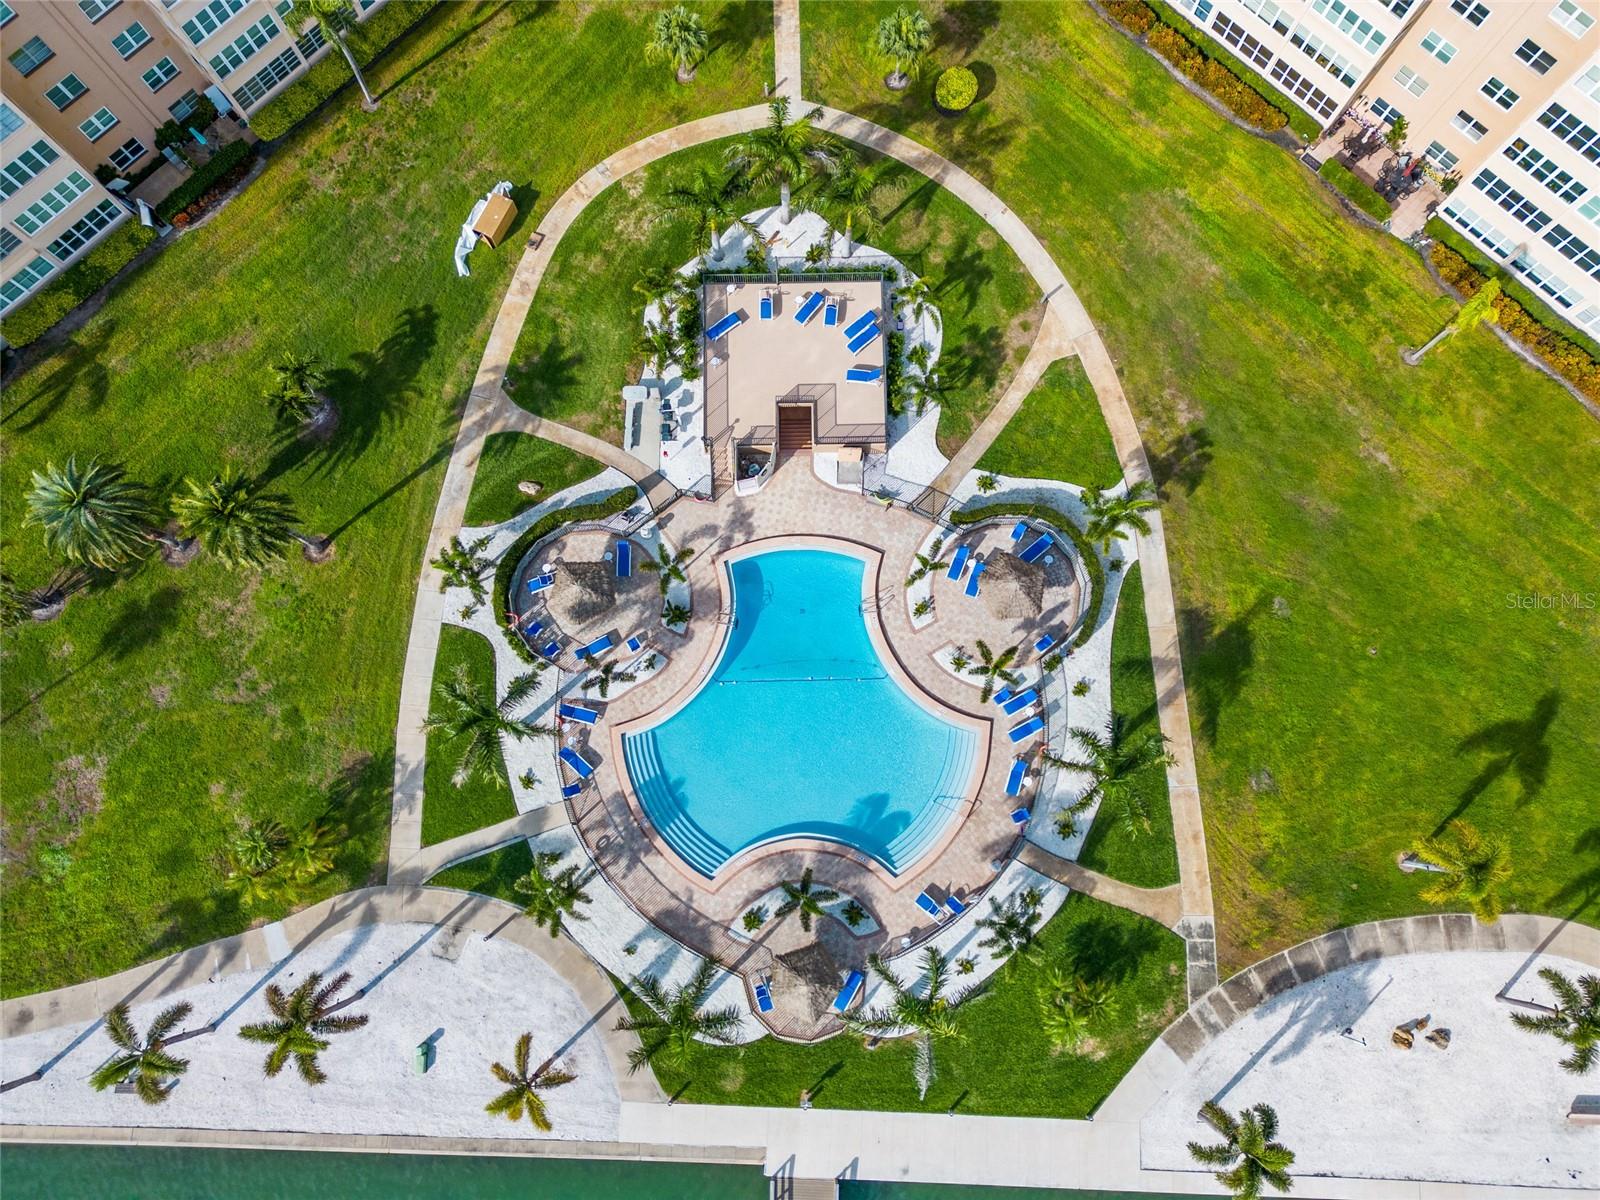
x,y
981,728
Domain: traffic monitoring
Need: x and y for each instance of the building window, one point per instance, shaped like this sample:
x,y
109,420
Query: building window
x,y
1357,28
210,19
1471,11
53,203
65,92
6,13
1467,219
130,152
1499,93
1576,133
1240,39
1411,81
81,232
1546,170
1200,8
1589,210
184,105
33,55
1269,13
1539,59
1438,47
1302,89
1574,247
128,42
1571,18
255,89
24,281
96,126
1440,157
1401,7
163,73
236,53
1469,125
9,121
311,41
1386,112
1319,52
1513,201
95,9
8,242
25,166
1589,82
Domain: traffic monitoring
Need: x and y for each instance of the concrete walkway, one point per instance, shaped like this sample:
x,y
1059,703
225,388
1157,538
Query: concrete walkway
x,y
430,860
1159,904
786,48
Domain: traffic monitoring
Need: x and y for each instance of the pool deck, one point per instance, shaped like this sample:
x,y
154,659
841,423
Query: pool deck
x,y
700,912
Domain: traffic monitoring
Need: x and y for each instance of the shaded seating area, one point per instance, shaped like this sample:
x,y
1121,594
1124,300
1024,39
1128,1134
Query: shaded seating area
x,y
1019,816
1045,643
763,997
540,583
978,568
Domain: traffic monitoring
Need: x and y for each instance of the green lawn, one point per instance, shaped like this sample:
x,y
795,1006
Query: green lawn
x,y
1058,433
158,714
1355,189
578,346
1146,858
1344,533
449,810
508,459
493,874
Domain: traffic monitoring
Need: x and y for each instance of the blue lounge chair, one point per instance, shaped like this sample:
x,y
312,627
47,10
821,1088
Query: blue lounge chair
x,y
864,374
766,307
599,646
1001,696
863,339
1018,776
1045,643
972,580
624,558
633,644
955,906
577,712
869,317
1042,543
532,631
763,998
725,326
830,313
808,307
926,903
847,994
539,582
551,649
1021,701
1018,531
1019,816
958,564
568,791
1024,731
581,767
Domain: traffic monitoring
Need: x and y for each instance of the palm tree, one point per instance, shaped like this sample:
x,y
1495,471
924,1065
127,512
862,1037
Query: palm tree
x,y
1114,763
302,1019
610,672
1575,1020
93,516
930,1016
1063,1023
464,566
662,285
800,898
659,345
1250,1152
240,525
675,614
675,1019
1011,925
1472,867
709,197
333,17
259,846
916,300
523,1087
145,1062
553,895
1110,515
1474,312
924,385
928,563
678,37
668,567
787,153
1095,998
308,852
994,667
296,396
471,716
846,198
900,42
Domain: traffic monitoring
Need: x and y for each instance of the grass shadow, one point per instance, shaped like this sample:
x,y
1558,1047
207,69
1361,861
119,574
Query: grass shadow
x,y
1223,658
1101,948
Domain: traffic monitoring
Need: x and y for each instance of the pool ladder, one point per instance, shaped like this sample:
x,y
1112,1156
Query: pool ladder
x,y
876,602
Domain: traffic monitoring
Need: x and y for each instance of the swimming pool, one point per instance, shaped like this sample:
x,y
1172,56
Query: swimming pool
x,y
800,731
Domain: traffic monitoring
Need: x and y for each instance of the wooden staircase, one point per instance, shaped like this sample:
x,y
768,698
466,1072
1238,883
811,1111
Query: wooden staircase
x,y
794,428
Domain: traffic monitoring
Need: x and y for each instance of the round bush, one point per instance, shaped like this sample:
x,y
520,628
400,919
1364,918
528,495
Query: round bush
x,y
956,89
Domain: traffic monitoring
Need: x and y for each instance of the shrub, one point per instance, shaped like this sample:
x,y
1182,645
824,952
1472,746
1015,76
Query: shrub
x,y
366,40
215,172
956,89
1086,552
1134,14
77,283
1236,95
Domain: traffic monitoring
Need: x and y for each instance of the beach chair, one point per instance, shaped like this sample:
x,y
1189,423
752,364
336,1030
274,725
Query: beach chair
x,y
864,374
955,906
1021,701
551,649
766,307
577,712
763,998
1018,777
1042,543
1024,731
958,564
1019,531
599,646
848,993
1019,816
927,904
863,339
972,580
633,644
1044,644
531,632
581,767
624,558
725,326
1001,696
808,307
830,313
570,790
870,317
539,582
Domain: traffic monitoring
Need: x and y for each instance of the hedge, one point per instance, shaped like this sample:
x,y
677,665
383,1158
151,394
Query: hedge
x,y
540,529
1135,14
77,283
1086,552
1569,360
1355,189
205,177
1236,95
366,40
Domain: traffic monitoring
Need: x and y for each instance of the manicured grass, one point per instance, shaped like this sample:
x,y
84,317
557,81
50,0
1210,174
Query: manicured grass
x,y
449,810
1003,1064
1146,858
1344,533
158,714
508,459
493,874
1058,433
1355,189
578,347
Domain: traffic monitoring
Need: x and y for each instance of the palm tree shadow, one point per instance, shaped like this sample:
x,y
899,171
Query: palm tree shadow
x,y
1583,888
1183,462
964,24
1519,747
1108,949
525,12
966,272
738,28
79,370
1223,659
550,374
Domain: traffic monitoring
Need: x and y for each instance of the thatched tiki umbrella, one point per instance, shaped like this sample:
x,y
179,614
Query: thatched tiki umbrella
x,y
811,971
583,592
1013,589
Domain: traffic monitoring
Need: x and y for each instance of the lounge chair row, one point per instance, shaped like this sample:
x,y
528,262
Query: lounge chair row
x,y
929,905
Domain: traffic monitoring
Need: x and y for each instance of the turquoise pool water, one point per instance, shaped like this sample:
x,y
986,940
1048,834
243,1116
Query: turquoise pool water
x,y
800,731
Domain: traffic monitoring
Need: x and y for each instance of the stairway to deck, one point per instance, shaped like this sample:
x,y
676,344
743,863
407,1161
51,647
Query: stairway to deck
x,y
794,428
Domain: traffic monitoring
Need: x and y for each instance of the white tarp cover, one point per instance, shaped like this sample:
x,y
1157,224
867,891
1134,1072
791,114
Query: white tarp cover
x,y
468,239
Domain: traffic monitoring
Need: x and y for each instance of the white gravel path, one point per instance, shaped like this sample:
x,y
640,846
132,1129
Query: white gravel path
x,y
475,997
1489,1109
